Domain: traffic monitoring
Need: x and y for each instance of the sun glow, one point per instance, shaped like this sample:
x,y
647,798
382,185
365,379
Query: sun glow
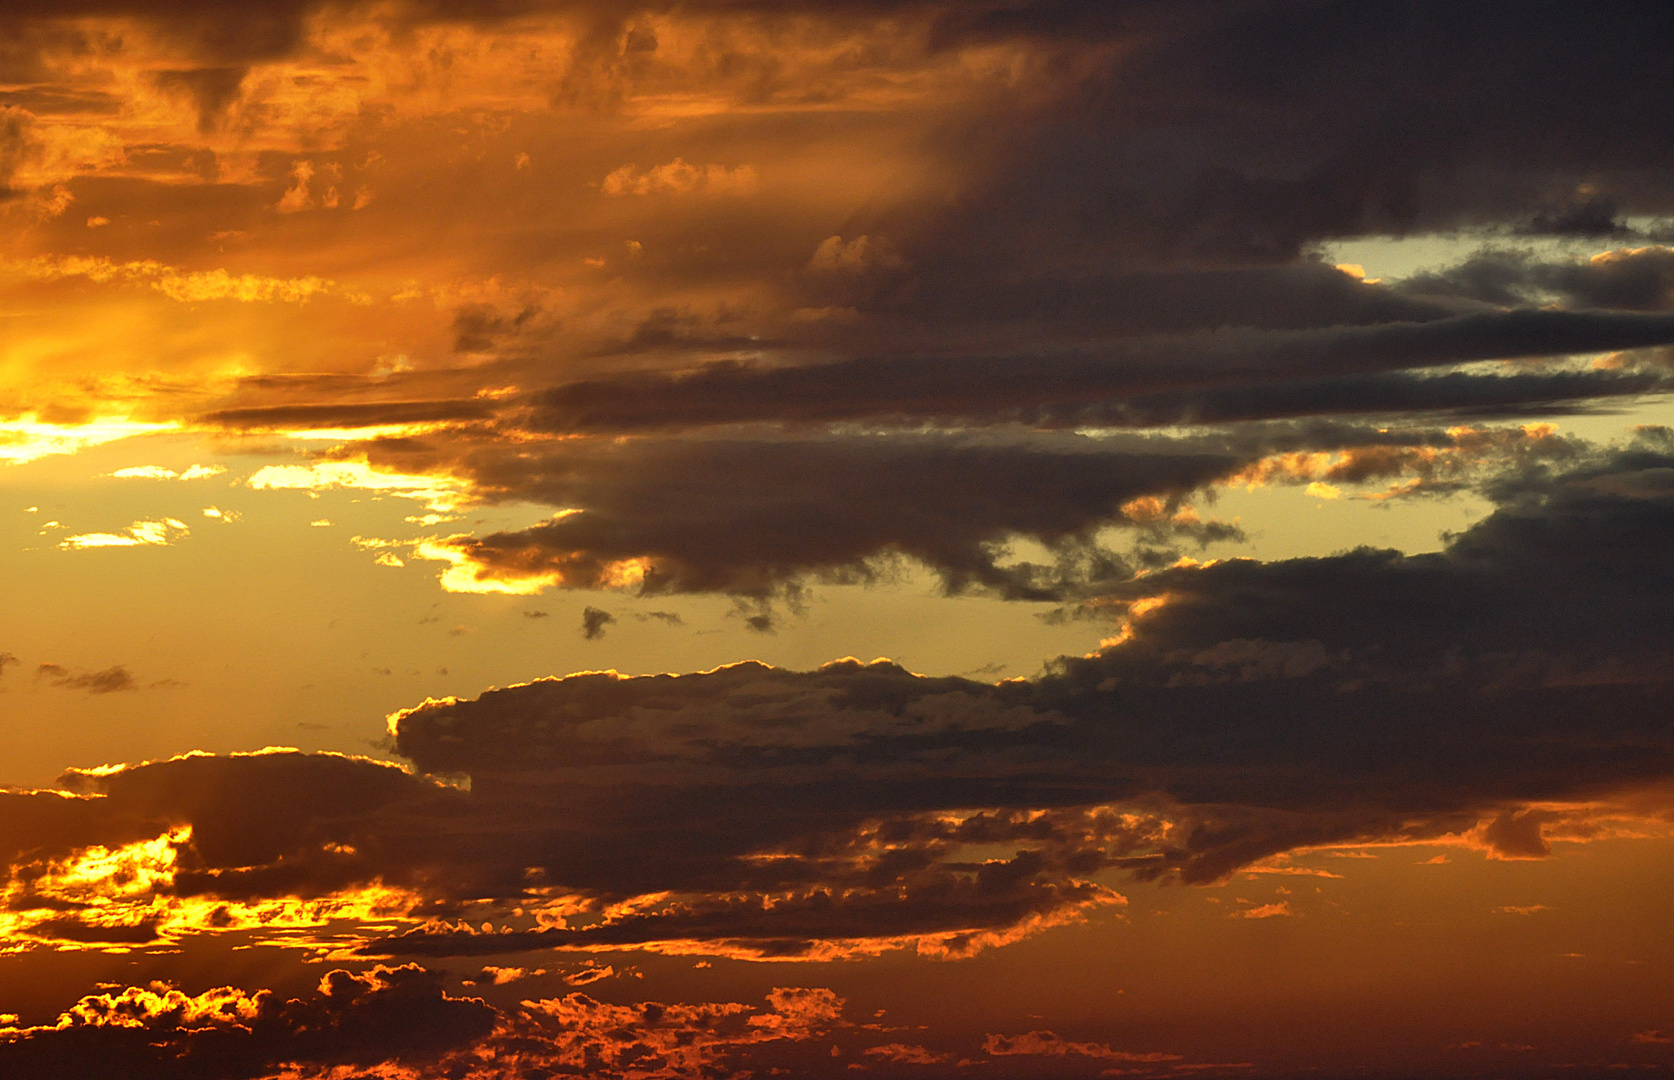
x,y
28,437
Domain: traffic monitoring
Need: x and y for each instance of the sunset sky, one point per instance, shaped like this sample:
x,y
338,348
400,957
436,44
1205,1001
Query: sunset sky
x,y
1012,539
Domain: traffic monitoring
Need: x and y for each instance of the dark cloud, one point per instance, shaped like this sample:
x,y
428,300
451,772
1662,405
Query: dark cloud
x,y
1639,279
1261,707
348,414
1264,126
389,1021
1509,689
761,518
975,388
753,517
593,622
1451,393
16,144
109,681
386,1014
1586,216
213,90
1123,236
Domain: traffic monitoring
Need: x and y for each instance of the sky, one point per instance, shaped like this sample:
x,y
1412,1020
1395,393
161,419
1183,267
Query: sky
x,y
1012,539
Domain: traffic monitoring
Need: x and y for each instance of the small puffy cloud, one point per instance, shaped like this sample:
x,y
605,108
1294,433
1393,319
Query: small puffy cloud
x,y
589,973
858,256
140,534
906,1054
593,623
677,178
500,976
297,196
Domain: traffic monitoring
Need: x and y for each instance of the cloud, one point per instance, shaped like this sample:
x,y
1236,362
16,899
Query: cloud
x,y
674,1041
751,517
386,1014
1079,386
679,178
398,1021
906,1054
1202,719
184,286
109,681
437,492
157,472
1504,694
1050,1044
140,534
1636,279
763,518
213,90
349,415
593,623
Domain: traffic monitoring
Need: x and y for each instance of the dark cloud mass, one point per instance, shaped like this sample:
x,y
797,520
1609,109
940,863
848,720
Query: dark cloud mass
x,y
1024,387
1248,710
762,518
751,517
397,1022
388,1014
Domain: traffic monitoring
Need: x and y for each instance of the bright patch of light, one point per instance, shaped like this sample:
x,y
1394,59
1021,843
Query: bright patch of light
x,y
139,534
463,575
437,492
27,437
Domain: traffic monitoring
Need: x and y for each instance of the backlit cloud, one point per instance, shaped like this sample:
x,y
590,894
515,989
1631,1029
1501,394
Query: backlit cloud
x,y
1293,368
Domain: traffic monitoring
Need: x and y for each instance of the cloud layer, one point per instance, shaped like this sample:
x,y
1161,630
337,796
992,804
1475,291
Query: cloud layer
x,y
1503,691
